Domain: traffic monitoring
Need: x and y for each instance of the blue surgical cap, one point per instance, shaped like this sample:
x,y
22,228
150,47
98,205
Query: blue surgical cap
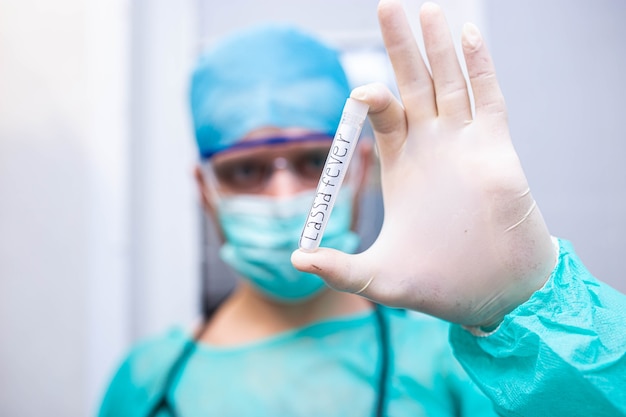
x,y
265,76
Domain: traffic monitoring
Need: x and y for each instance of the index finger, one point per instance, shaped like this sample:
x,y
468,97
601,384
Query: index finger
x,y
412,76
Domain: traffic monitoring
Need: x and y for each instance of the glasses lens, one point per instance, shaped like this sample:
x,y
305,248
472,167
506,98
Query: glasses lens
x,y
309,164
242,174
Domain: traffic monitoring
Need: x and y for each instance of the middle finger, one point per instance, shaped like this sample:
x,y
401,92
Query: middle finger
x,y
450,86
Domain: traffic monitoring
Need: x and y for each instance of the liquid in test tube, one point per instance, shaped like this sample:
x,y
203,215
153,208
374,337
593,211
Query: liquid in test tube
x,y
337,161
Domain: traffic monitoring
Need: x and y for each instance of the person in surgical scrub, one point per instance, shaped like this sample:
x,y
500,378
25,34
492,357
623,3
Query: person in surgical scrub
x,y
463,242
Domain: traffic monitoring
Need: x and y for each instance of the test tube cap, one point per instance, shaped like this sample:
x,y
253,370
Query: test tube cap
x,y
356,107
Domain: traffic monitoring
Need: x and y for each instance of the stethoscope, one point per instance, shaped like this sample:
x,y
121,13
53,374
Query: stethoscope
x,y
164,403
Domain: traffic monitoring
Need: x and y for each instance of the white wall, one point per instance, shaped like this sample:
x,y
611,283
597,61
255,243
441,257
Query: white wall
x,y
561,64
164,209
62,178
98,235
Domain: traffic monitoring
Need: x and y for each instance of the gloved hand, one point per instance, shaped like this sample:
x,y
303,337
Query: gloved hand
x,y
462,238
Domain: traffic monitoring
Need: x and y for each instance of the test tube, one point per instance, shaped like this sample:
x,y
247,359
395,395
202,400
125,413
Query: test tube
x,y
337,161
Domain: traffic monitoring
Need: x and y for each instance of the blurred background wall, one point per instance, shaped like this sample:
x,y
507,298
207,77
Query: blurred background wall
x,y
101,236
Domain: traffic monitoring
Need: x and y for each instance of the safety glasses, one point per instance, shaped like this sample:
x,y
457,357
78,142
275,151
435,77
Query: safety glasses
x,y
248,166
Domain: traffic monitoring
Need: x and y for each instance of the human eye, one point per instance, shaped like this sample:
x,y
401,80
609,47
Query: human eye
x,y
240,175
311,163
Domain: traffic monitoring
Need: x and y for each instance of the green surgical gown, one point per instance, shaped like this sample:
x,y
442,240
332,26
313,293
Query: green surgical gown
x,y
561,353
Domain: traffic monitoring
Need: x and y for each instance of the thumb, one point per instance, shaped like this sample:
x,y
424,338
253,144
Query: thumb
x,y
340,270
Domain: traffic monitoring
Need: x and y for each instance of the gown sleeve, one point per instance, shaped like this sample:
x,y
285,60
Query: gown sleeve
x,y
561,353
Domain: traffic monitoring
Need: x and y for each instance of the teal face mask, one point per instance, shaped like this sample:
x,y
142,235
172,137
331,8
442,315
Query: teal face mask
x,y
262,232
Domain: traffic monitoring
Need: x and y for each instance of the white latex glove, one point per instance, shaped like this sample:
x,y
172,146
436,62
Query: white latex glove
x,y
462,238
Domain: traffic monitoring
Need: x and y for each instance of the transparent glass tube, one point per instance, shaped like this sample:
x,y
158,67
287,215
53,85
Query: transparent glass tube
x,y
337,161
